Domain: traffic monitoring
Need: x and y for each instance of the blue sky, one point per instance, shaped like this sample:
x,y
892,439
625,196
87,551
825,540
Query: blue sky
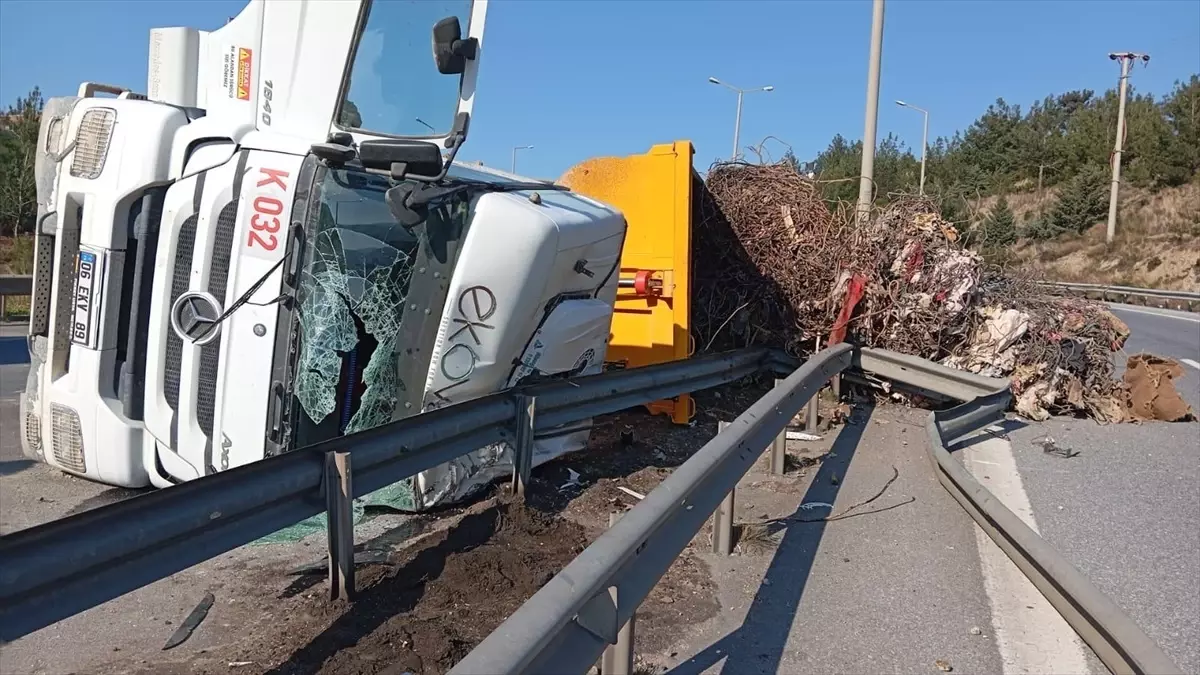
x,y
580,79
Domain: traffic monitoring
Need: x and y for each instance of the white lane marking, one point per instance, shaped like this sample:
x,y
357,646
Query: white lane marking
x,y
1191,363
1032,636
1126,308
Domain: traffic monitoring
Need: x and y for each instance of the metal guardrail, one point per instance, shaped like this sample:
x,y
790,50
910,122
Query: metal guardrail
x,y
58,569
1114,637
1177,299
13,284
586,611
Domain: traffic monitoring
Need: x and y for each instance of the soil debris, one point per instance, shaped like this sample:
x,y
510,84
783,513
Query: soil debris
x,y
425,613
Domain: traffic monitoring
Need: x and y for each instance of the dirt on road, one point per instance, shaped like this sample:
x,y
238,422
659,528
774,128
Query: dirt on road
x,y
425,612
429,596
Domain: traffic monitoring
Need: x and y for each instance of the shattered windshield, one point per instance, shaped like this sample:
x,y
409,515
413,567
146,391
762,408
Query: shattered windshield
x,y
351,299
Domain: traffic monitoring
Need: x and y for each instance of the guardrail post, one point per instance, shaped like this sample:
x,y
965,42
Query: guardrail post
x,y
812,413
722,532
618,658
3,307
812,408
779,448
523,443
339,507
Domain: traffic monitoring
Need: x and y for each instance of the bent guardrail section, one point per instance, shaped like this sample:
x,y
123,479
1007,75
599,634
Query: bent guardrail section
x,y
586,609
1114,637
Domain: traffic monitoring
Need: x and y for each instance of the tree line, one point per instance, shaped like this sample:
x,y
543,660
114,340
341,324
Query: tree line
x,y
1063,141
18,148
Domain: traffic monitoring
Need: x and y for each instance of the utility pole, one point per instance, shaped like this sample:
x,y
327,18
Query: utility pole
x,y
866,185
737,124
924,142
1126,59
514,155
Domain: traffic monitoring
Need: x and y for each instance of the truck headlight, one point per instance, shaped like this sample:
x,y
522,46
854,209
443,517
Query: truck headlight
x,y
91,142
67,439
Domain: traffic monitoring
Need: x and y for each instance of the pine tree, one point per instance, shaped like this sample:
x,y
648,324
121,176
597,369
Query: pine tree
x,y
1000,227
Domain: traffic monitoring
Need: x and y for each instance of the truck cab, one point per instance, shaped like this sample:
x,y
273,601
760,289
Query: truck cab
x,y
273,247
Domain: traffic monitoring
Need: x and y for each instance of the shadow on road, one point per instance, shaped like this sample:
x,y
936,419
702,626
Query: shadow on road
x,y
1006,427
757,645
13,350
111,495
10,467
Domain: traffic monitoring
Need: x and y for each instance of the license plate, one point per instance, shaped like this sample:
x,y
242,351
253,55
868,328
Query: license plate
x,y
89,271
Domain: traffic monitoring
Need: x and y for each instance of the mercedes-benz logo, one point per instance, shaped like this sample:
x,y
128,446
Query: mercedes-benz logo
x,y
193,317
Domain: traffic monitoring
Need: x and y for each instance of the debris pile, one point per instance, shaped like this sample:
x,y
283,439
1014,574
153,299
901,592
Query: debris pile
x,y
773,265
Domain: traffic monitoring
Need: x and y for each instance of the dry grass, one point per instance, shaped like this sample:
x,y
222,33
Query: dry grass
x,y
1157,243
1024,205
756,538
16,255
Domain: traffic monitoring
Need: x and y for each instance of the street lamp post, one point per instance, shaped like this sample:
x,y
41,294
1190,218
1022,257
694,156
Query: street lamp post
x,y
866,183
924,141
514,155
737,124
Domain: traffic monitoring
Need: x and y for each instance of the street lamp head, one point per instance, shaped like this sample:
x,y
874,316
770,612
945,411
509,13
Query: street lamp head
x,y
768,88
714,80
899,102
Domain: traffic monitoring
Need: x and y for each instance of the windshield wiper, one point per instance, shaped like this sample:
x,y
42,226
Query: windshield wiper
x,y
244,299
409,202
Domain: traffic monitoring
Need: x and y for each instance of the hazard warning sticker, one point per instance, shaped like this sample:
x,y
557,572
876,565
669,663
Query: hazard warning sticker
x,y
239,62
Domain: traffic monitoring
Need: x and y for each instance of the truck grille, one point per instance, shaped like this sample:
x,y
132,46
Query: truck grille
x,y
66,437
180,278
218,279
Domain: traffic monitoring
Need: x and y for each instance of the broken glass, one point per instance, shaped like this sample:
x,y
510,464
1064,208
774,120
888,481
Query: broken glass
x,y
353,288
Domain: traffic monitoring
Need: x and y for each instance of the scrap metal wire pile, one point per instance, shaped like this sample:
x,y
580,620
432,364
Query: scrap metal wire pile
x,y
773,265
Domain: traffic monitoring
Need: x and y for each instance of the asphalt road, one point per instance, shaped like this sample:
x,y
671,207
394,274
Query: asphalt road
x,y
1126,510
1167,333
31,492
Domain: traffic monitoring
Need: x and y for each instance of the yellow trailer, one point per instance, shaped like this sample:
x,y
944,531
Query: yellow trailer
x,y
651,318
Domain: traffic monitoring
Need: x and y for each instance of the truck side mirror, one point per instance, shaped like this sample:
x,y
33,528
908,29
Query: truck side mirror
x,y
401,156
450,50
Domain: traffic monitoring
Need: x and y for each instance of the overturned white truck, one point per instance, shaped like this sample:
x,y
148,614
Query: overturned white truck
x,y
273,248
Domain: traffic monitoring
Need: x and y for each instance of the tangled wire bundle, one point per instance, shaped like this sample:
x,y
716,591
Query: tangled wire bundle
x,y
774,266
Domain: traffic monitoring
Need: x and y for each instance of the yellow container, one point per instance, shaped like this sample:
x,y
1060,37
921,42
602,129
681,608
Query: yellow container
x,y
651,319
